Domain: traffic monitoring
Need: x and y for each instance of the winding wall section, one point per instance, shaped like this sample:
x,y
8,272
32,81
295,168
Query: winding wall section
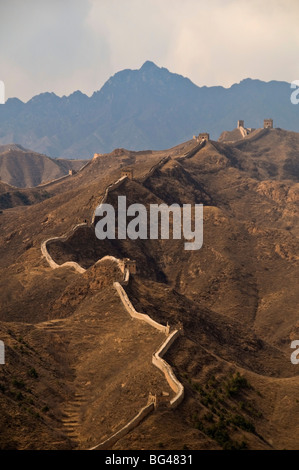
x,y
157,360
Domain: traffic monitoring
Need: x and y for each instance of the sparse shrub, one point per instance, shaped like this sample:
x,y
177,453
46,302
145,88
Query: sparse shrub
x,y
32,373
235,445
45,409
236,383
243,423
19,396
199,425
18,383
205,402
209,417
196,386
219,433
33,413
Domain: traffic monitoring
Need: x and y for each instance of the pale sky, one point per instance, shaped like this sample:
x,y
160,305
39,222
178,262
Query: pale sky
x,y
68,45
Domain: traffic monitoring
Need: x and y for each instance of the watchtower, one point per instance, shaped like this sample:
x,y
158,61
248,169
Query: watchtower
x,y
240,123
268,123
203,136
127,172
127,263
72,172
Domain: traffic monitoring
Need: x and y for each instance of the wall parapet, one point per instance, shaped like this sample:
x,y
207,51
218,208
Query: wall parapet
x,y
154,168
173,382
131,310
193,151
109,188
63,238
133,423
157,360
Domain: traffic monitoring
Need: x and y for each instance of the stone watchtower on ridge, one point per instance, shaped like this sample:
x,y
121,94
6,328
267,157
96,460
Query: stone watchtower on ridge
x,y
201,137
129,264
240,123
268,123
127,172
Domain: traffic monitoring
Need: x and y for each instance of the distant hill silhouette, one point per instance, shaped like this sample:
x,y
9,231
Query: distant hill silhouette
x,y
140,109
24,168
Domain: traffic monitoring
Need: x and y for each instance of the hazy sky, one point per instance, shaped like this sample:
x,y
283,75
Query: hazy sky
x,y
66,45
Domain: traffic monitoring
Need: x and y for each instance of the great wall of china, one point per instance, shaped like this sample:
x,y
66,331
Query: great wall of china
x,y
157,357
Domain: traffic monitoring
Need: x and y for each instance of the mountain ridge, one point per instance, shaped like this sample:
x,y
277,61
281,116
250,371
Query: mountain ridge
x,y
139,109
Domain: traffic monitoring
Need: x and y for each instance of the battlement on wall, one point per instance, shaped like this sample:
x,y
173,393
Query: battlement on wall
x,y
128,172
268,123
129,264
202,136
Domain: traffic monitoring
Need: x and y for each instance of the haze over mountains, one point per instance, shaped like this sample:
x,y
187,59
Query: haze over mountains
x,y
141,109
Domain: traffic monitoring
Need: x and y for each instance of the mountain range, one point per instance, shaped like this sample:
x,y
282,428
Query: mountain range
x,y
141,109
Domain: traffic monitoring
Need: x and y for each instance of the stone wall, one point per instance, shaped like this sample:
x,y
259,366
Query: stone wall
x,y
111,186
52,263
134,314
127,428
157,360
154,168
174,383
193,151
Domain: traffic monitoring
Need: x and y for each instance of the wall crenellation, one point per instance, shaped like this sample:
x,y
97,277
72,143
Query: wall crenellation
x,y
268,123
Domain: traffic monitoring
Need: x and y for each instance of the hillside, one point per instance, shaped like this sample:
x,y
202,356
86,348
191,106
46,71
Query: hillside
x,y
149,108
24,168
235,302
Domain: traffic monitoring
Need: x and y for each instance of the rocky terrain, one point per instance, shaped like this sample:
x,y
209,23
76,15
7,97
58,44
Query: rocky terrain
x,y
78,367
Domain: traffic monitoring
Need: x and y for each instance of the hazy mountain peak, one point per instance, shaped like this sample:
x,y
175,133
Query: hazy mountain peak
x,y
149,107
44,98
149,65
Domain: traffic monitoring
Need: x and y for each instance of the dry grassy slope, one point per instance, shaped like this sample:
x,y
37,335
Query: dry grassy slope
x,y
23,168
70,383
247,264
267,154
32,293
12,197
236,298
